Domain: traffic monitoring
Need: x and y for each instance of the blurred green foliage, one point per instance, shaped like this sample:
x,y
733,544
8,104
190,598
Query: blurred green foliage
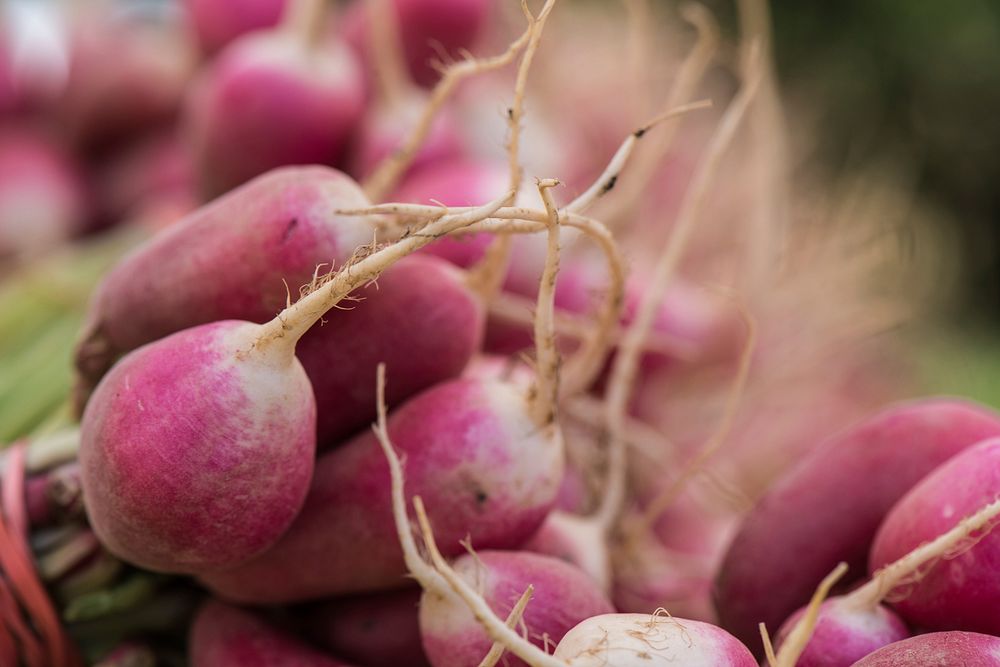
x,y
919,79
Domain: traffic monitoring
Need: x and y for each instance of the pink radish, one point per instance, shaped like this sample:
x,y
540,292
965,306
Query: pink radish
x,y
381,328
273,98
962,591
127,75
43,195
375,630
197,450
224,636
430,31
398,108
486,454
457,182
281,226
563,596
609,639
806,524
217,22
968,649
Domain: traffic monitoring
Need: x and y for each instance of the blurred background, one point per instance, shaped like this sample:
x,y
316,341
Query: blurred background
x,y
911,89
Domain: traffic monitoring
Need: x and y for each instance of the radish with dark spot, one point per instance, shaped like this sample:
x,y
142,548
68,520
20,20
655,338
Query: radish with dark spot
x,y
197,450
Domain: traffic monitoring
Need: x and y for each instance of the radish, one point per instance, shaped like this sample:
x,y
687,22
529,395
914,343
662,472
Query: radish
x,y
217,22
962,592
394,114
609,639
273,98
375,630
968,649
43,195
381,328
806,524
456,182
844,629
281,226
562,597
224,636
127,75
431,31
487,455
197,450
627,640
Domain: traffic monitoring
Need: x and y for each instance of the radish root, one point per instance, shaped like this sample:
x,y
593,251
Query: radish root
x,y
513,618
487,277
293,322
389,171
437,576
800,635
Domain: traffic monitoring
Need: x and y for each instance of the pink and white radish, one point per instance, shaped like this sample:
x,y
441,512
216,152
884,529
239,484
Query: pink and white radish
x,y
430,31
562,596
381,327
127,75
610,639
43,194
272,98
806,524
961,592
487,456
216,22
969,649
197,450
844,629
281,226
224,636
375,629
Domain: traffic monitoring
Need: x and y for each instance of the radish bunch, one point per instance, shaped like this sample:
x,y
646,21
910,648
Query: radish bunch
x,y
597,394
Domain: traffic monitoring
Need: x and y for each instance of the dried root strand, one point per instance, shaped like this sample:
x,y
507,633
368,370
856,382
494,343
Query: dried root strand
x,y
293,322
437,576
797,640
545,395
485,616
765,639
627,362
426,576
690,74
513,618
718,436
486,278
608,179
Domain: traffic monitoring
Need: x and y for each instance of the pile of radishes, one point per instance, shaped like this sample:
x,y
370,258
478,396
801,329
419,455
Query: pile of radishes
x,y
488,336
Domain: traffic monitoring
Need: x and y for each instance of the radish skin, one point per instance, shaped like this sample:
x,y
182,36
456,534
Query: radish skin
x,y
218,22
375,629
281,225
270,99
968,649
234,466
484,467
224,636
226,404
806,524
638,640
562,597
343,352
961,592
